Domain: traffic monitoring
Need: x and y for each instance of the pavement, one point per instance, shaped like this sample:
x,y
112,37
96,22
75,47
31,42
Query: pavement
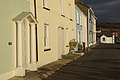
x,y
100,63
49,69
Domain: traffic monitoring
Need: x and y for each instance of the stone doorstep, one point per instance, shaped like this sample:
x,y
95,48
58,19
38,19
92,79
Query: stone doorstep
x,y
49,69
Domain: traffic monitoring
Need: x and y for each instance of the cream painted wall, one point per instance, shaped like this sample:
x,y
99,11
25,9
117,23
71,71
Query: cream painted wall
x,y
9,10
55,20
109,40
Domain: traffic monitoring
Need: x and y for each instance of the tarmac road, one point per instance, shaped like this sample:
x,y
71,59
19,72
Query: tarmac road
x,y
100,63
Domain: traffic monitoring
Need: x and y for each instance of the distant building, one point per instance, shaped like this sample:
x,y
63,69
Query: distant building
x,y
90,32
107,38
81,25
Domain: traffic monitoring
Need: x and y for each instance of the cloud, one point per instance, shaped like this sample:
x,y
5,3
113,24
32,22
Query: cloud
x,y
106,10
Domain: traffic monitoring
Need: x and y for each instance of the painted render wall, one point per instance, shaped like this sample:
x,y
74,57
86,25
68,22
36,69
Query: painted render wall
x,y
90,27
55,20
82,25
9,10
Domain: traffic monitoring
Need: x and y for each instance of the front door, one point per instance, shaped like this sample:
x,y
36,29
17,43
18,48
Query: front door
x,y
25,43
60,42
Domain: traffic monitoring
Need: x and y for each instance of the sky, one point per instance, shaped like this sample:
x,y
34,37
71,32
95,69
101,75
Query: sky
x,y
105,10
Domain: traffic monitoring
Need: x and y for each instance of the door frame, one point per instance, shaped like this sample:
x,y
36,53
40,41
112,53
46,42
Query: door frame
x,y
60,42
31,21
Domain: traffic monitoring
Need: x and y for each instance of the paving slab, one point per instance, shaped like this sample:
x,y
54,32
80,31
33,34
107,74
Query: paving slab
x,y
49,69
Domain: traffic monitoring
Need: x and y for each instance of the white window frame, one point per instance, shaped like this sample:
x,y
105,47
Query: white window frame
x,y
46,3
46,35
72,33
70,10
62,6
67,37
78,17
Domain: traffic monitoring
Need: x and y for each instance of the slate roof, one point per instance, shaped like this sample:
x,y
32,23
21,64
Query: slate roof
x,y
77,2
84,8
108,34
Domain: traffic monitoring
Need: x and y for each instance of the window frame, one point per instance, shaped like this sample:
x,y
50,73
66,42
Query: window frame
x,y
46,4
62,8
46,36
67,41
78,16
103,39
70,11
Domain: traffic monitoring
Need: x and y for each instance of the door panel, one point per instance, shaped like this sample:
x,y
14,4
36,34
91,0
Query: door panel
x,y
60,42
24,44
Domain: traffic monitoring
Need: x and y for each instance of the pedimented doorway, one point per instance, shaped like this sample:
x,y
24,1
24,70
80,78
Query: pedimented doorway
x,y
25,43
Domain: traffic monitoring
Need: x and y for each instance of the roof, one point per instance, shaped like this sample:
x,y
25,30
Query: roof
x,y
108,34
24,15
77,2
84,8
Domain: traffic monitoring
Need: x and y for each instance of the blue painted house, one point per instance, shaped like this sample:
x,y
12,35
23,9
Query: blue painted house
x,y
91,23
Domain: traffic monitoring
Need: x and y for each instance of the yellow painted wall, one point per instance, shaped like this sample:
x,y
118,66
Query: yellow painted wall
x,y
55,20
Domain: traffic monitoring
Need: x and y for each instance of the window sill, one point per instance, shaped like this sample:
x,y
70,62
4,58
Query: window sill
x,y
71,19
62,15
67,46
46,8
47,49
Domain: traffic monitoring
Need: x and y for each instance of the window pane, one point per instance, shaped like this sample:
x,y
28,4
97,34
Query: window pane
x,y
45,3
77,17
67,36
46,35
103,39
62,7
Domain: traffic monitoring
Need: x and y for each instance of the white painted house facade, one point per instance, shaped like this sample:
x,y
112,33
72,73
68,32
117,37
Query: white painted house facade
x,y
81,26
86,24
107,39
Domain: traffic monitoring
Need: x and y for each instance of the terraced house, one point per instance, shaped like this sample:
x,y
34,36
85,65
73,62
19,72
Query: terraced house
x,y
89,27
81,25
34,33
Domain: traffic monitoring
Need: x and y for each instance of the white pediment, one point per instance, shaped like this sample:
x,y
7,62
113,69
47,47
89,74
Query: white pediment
x,y
27,15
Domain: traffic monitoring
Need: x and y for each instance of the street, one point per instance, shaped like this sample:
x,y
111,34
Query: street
x,y
100,63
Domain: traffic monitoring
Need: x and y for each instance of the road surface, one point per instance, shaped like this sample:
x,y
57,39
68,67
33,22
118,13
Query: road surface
x,y
100,63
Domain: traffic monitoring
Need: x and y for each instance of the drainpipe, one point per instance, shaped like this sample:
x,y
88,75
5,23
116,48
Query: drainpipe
x,y
87,33
35,9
